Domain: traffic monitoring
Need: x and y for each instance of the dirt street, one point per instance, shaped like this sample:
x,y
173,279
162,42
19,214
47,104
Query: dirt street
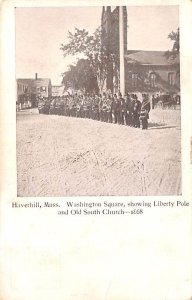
x,y
65,156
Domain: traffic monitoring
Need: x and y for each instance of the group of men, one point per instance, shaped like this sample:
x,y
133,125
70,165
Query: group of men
x,y
127,110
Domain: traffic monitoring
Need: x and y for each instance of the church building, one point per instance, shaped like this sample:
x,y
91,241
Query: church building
x,y
144,71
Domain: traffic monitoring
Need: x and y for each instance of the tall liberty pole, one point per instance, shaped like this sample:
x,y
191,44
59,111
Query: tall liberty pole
x,y
121,51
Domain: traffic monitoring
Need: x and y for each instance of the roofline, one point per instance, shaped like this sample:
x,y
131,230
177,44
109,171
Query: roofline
x,y
158,65
33,79
141,50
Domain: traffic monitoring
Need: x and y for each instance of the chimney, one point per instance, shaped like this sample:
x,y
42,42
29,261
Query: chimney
x,y
35,76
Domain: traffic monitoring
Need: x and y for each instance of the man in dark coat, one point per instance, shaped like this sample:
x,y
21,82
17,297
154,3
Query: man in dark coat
x,y
115,109
109,108
136,108
144,113
104,108
122,111
100,108
95,107
78,107
128,110
153,101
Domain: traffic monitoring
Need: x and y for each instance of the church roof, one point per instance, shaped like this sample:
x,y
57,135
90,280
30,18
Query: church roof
x,y
157,58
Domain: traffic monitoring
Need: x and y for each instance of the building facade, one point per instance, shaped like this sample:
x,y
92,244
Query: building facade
x,y
29,89
23,94
145,71
23,88
57,90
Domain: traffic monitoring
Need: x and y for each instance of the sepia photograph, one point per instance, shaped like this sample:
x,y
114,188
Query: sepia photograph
x,y
98,107
96,150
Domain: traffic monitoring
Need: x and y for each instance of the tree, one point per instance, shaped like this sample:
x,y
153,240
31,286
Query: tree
x,y
94,49
81,77
174,37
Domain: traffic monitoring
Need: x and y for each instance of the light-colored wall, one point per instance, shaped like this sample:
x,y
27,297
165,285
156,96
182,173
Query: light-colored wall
x,y
39,84
162,78
22,88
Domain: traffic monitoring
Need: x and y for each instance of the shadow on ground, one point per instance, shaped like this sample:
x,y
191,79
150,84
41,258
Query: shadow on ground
x,y
159,126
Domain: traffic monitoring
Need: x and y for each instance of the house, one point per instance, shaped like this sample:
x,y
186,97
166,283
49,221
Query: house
x,y
22,87
23,93
33,88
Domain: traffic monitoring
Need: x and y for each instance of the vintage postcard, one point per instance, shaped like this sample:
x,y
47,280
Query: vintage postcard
x,y
96,150
98,101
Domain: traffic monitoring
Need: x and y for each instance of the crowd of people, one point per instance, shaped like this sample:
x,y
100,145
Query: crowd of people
x,y
127,110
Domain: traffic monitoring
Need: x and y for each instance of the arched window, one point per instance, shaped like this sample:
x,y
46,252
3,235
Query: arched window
x,y
153,78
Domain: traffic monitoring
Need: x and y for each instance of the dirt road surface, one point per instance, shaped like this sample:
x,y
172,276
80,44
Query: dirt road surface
x,y
63,156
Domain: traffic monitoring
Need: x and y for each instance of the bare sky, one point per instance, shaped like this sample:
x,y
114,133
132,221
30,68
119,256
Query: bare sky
x,y
40,31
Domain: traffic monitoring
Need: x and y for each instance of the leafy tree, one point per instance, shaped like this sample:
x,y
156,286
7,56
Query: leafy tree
x,y
81,77
174,37
94,49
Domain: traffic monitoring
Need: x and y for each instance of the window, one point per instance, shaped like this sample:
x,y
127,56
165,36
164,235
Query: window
x,y
153,80
43,88
134,77
171,78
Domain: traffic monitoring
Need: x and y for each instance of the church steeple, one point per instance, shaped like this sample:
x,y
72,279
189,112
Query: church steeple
x,y
109,9
103,14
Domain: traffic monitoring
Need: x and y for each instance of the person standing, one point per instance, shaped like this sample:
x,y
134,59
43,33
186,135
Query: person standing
x,y
95,108
115,109
122,110
144,114
67,110
153,101
104,108
17,106
89,105
100,108
84,107
109,108
127,110
136,108
78,107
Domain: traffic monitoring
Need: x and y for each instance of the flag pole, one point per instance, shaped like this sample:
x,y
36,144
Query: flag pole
x,y
121,51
